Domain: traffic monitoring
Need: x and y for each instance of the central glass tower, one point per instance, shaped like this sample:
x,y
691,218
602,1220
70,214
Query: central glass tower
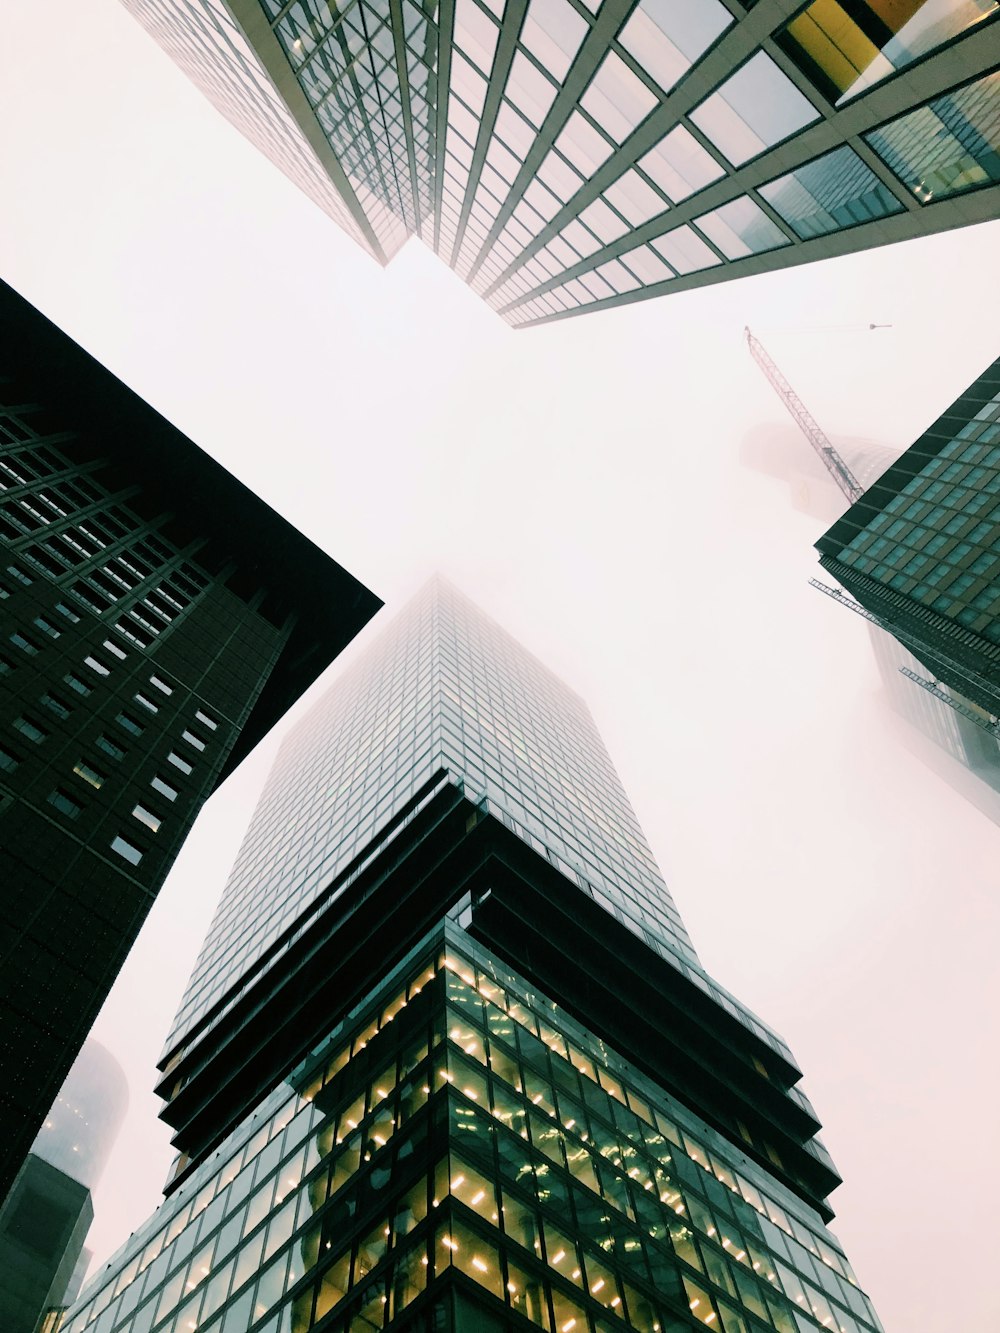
x,y
448,1059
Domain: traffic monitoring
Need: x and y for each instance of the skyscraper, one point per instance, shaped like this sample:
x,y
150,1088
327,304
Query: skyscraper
x,y
565,155
448,1058
953,745
46,1216
157,618
920,551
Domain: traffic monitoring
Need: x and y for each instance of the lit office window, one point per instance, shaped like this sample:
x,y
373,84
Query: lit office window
x,y
845,49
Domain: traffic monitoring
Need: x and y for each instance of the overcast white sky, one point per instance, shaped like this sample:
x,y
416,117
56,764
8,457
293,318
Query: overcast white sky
x,y
583,483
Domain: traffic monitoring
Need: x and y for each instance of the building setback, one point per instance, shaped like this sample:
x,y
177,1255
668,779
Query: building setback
x,y
569,155
448,1059
921,549
157,619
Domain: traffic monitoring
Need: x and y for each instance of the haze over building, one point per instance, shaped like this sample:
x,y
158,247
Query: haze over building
x,y
448,1057
158,619
920,551
566,155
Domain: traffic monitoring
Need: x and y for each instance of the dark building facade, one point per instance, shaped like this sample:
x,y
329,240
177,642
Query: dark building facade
x,y
46,1216
921,549
157,619
571,155
448,1059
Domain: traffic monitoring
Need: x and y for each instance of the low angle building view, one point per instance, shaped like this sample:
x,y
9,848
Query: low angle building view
x,y
570,155
457,873
459,1066
920,553
147,646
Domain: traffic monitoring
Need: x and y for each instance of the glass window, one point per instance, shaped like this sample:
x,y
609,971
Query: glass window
x,y
29,729
164,788
679,165
178,762
635,199
685,250
756,107
741,228
950,145
65,804
109,747
582,145
126,850
846,48
146,817
529,89
835,191
553,31
89,774
617,99
667,36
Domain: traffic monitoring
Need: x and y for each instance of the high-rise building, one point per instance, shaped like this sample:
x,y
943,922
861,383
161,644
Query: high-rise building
x,y
46,1216
950,742
157,619
448,1059
920,551
566,155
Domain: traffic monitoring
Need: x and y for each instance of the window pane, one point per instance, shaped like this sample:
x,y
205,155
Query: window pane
x,y
741,228
950,145
846,48
755,108
680,165
617,99
667,36
686,251
835,191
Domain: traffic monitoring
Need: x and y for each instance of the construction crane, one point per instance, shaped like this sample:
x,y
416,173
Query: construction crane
x,y
810,428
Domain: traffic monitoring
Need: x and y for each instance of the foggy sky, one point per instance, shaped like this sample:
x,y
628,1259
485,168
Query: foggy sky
x,y
583,483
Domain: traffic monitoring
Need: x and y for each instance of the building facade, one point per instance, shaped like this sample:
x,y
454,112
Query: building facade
x,y
157,619
448,1059
568,155
46,1216
921,549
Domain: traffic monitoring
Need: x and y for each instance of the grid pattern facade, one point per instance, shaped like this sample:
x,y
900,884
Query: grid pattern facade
x,y
922,548
564,155
458,1143
444,688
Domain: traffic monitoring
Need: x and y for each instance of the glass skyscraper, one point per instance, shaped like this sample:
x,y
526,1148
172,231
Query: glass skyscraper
x,y
921,549
448,1059
565,155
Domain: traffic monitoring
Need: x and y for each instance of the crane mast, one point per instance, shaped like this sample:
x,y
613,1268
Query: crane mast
x,y
832,461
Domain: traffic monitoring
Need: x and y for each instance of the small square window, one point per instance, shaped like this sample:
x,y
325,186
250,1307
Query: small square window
x,y
146,703
130,724
66,611
64,804
164,788
110,747
46,628
192,739
8,762
205,720
97,666
125,849
26,645
75,683
161,685
18,574
178,762
115,650
91,775
146,817
55,705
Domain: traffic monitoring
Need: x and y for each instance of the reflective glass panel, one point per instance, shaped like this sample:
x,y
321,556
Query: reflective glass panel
x,y
835,191
754,109
667,36
741,228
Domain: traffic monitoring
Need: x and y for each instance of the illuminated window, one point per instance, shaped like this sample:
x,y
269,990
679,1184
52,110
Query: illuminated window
x,y
846,48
